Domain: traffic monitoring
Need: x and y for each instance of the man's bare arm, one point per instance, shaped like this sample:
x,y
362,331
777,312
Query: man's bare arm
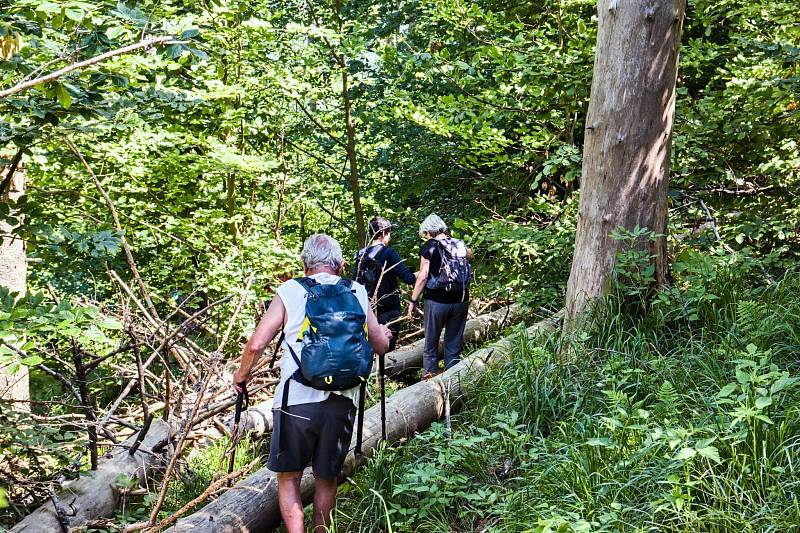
x,y
379,335
267,329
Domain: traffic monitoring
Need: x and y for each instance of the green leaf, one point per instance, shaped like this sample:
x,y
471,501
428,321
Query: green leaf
x,y
110,323
710,452
685,453
33,360
726,390
63,96
73,13
115,32
782,382
174,51
48,8
742,376
763,401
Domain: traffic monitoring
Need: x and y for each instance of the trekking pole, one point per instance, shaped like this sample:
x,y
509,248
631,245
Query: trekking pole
x,y
242,400
446,393
382,379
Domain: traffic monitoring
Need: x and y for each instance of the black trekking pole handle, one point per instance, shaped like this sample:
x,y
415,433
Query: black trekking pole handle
x,y
242,399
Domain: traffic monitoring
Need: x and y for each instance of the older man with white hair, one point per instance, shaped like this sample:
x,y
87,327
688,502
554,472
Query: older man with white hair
x,y
316,425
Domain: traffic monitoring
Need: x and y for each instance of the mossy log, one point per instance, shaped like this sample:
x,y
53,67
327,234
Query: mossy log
x,y
409,358
252,504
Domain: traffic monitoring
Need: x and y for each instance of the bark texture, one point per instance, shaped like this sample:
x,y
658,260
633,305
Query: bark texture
x,y
13,273
95,495
628,140
252,504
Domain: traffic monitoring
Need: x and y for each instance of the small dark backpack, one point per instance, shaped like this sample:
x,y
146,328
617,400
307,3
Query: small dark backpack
x,y
455,272
335,353
369,267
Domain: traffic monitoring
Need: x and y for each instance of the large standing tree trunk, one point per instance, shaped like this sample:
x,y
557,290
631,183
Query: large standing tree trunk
x,y
628,143
13,271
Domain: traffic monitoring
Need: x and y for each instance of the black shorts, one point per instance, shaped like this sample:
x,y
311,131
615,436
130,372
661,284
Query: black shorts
x,y
315,433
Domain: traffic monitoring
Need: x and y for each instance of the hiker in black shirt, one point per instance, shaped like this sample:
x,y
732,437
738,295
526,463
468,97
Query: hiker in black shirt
x,y
446,293
378,267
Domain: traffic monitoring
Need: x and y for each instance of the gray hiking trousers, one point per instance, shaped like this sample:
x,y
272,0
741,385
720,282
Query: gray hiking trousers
x,y
452,318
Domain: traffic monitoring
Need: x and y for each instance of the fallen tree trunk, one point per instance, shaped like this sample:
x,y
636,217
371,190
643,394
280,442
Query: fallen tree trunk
x,y
258,418
409,358
95,494
252,505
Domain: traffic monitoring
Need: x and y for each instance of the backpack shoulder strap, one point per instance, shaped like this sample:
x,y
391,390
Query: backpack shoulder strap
x,y
382,252
307,283
277,347
347,283
376,251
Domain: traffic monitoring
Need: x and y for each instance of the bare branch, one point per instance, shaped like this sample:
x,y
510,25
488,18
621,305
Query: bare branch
x,y
117,226
214,486
319,125
147,43
203,385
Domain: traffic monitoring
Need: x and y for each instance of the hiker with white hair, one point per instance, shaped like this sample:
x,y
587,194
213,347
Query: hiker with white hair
x,y
444,276
329,335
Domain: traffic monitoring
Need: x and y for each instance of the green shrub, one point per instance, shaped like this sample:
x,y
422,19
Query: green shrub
x,y
682,417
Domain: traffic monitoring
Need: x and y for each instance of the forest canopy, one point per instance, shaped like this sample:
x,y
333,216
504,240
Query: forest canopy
x,y
171,149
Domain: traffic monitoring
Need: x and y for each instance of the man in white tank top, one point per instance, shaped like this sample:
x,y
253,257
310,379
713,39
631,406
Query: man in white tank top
x,y
319,424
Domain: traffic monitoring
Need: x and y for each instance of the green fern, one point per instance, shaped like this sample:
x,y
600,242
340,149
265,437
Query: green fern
x,y
749,317
667,397
759,323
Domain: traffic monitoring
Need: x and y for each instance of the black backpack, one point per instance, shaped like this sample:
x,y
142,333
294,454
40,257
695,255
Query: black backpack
x,y
369,267
455,272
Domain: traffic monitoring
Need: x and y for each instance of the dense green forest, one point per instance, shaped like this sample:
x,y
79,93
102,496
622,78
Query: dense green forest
x,y
163,162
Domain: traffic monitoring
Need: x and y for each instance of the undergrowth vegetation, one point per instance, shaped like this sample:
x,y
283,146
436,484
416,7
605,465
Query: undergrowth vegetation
x,y
199,471
679,415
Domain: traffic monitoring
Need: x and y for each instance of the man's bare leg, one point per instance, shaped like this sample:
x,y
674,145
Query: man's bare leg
x,y
290,502
324,502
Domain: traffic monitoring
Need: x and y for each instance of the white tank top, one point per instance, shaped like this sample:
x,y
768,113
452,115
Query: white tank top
x,y
293,296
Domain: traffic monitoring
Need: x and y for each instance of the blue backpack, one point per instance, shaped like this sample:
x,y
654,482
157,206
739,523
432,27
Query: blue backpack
x,y
335,353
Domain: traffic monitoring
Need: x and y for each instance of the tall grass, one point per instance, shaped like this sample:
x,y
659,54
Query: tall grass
x,y
678,415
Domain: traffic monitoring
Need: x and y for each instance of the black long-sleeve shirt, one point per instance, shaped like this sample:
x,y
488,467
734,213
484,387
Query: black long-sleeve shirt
x,y
388,294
